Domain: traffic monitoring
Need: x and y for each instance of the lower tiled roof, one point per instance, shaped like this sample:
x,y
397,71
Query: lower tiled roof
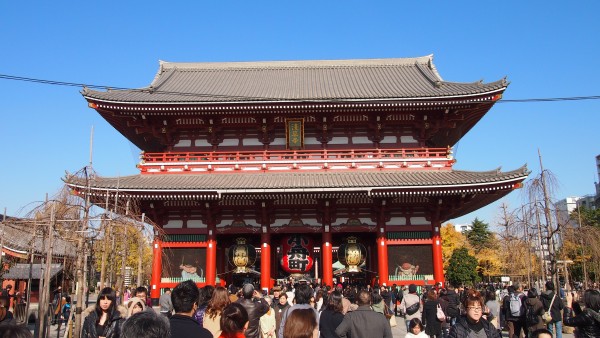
x,y
21,271
274,182
18,235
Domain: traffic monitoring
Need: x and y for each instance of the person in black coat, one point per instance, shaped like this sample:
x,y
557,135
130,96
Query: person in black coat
x,y
256,306
331,316
473,322
185,303
433,327
557,305
587,321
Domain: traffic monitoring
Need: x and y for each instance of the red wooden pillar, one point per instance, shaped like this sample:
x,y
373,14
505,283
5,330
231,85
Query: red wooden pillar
x,y
211,257
438,264
382,261
265,260
382,249
326,259
156,270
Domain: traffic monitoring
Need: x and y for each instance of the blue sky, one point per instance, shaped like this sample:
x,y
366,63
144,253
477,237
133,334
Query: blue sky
x,y
546,49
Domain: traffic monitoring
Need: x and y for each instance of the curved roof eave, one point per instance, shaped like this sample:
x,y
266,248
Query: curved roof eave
x,y
277,101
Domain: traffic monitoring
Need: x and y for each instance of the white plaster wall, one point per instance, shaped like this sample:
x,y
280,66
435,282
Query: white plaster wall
x,y
251,142
361,140
202,143
183,143
397,221
408,139
280,141
419,221
389,139
174,224
195,224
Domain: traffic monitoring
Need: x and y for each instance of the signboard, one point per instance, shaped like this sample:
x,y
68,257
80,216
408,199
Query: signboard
x,y
294,133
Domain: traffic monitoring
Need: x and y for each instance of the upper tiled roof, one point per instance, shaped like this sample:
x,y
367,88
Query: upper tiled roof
x,y
277,182
369,79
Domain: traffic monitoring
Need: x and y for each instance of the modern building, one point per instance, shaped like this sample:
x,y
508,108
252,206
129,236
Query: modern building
x,y
332,170
587,201
564,208
462,228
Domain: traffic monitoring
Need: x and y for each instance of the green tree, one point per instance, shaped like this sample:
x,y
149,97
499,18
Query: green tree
x,y
480,237
462,268
451,240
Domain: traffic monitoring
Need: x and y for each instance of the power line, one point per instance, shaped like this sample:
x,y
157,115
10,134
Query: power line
x,y
150,90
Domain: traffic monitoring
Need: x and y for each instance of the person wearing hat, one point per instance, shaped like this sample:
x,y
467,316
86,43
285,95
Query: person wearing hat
x,y
411,305
276,293
256,306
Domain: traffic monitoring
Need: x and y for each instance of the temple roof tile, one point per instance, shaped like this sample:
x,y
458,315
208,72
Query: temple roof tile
x,y
296,81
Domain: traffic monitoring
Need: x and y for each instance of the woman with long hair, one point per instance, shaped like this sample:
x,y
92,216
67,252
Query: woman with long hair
x,y
234,321
205,296
216,304
331,316
586,321
319,299
433,326
301,323
105,320
472,322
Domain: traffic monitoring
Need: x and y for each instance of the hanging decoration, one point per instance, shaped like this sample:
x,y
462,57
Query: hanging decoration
x,y
242,255
352,254
297,253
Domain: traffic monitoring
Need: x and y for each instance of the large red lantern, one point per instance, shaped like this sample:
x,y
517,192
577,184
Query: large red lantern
x,y
297,253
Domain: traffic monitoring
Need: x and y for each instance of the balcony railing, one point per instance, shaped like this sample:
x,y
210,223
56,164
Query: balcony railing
x,y
412,158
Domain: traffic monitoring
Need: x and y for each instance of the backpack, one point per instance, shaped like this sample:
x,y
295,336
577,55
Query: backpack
x,y
531,318
517,309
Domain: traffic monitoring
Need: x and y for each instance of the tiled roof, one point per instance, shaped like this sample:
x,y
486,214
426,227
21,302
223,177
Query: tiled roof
x,y
21,271
369,79
19,232
276,182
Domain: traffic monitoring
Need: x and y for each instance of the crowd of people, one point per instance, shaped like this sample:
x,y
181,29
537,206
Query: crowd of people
x,y
302,310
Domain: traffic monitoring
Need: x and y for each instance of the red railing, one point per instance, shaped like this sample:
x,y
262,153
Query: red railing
x,y
296,159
